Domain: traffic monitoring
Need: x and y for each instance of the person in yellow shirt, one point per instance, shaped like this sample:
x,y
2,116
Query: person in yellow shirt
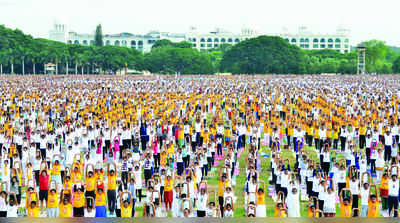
x,y
111,188
79,201
261,208
100,203
33,209
52,204
126,207
65,207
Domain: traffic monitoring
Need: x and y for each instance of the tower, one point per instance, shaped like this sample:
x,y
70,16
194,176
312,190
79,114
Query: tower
x,y
361,59
58,33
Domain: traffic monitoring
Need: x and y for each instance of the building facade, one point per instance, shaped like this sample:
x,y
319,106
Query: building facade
x,y
304,39
217,37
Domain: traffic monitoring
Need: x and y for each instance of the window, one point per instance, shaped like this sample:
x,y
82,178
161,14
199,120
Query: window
x,y
202,40
287,40
216,40
223,40
330,40
194,45
346,51
209,45
330,46
346,40
216,45
76,42
116,43
247,38
230,40
237,40
301,40
337,40
92,42
209,40
202,45
194,40
306,40
69,41
85,42
107,42
140,44
322,46
123,42
315,46
133,43
346,46
315,40
322,40
337,46
293,40
306,46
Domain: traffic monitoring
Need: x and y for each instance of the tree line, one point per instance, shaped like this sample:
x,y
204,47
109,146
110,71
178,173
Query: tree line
x,y
23,54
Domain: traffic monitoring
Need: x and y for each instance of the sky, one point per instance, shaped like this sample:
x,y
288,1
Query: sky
x,y
366,19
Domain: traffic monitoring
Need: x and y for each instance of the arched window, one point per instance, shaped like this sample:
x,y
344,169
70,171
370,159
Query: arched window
x,y
194,40
315,40
330,40
287,40
301,40
69,41
237,40
216,40
209,40
322,40
116,43
293,40
223,40
133,43
346,40
107,42
140,43
337,40
306,40
230,40
85,42
76,42
124,43
202,40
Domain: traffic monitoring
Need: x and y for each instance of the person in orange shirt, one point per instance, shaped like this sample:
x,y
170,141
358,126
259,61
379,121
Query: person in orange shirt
x,y
373,206
345,204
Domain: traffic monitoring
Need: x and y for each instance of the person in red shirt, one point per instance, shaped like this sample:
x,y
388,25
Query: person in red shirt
x,y
43,188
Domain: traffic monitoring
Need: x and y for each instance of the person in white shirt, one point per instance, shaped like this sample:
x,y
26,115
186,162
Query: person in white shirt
x,y
364,199
293,203
393,199
388,146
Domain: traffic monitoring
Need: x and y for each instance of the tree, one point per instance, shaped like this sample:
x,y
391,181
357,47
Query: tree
x,y
169,60
169,43
264,54
375,54
98,36
396,65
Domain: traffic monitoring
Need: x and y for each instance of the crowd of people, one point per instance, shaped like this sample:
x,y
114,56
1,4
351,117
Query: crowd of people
x,y
199,146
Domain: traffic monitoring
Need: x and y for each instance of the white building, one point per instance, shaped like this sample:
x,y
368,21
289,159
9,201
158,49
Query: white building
x,y
140,42
304,39
217,37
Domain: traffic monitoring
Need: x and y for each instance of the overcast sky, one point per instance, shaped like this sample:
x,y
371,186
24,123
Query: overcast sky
x,y
367,19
